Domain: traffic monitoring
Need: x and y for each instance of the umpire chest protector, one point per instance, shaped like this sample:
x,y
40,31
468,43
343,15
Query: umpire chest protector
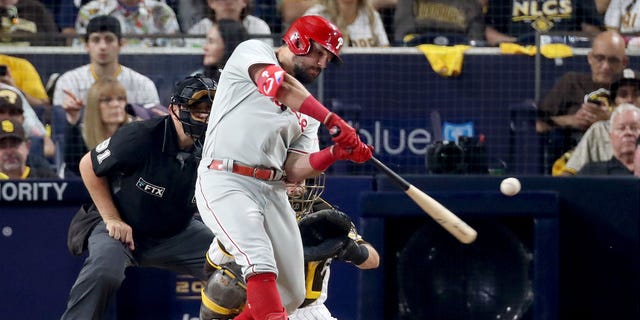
x,y
152,181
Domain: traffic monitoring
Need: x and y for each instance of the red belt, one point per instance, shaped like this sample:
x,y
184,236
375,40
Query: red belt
x,y
254,172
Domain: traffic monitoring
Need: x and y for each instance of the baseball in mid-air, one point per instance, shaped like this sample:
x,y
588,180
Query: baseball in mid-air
x,y
510,186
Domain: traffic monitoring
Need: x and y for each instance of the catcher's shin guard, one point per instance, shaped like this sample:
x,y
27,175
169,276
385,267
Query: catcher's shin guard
x,y
225,294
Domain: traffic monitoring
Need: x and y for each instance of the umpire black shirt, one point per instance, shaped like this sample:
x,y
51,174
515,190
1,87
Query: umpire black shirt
x,y
152,182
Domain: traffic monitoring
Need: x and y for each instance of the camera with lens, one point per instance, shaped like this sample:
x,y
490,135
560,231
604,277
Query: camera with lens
x,y
466,156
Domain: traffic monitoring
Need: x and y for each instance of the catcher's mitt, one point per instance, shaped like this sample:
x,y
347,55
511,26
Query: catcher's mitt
x,y
324,233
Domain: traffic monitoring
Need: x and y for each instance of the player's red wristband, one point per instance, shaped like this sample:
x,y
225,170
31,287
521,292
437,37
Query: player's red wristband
x,y
322,159
313,108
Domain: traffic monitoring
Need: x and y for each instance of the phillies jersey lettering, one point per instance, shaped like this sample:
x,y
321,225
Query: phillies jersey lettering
x,y
302,120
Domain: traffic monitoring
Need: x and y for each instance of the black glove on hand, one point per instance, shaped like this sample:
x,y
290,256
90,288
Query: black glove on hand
x,y
353,253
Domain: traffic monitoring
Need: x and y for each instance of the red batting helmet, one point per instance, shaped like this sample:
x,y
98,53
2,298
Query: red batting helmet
x,y
314,28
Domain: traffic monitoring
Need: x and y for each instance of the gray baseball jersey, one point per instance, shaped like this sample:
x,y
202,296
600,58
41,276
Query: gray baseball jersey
x,y
140,89
253,218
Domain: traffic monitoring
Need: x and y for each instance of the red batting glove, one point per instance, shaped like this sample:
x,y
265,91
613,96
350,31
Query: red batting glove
x,y
270,80
323,159
361,153
341,132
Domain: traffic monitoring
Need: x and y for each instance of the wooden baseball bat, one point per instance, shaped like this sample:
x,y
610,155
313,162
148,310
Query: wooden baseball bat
x,y
447,219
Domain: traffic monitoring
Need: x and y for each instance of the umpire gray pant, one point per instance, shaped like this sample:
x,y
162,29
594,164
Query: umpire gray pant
x,y
104,269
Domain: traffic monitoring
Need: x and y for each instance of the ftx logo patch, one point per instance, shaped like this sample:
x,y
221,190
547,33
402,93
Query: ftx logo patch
x,y
150,188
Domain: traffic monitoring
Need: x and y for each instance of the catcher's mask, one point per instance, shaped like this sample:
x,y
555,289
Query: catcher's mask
x,y
302,197
191,93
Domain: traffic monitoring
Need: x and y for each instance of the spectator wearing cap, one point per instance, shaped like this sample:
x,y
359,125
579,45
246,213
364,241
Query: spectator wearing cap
x,y
23,78
624,133
14,151
32,124
595,144
11,108
103,43
136,17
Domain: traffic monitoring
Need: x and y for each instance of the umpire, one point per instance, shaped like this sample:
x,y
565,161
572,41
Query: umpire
x,y
141,181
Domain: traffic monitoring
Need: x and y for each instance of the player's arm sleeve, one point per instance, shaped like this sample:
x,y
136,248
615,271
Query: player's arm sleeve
x,y
373,257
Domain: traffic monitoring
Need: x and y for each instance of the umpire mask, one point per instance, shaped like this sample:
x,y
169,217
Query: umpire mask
x,y
190,95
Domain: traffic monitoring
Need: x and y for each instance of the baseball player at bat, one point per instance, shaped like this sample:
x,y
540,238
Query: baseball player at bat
x,y
261,130
328,234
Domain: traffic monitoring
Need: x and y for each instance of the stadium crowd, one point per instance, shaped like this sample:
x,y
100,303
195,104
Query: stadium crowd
x,y
77,109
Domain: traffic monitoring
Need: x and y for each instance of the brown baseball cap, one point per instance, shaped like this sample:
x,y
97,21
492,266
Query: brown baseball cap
x,y
9,99
11,129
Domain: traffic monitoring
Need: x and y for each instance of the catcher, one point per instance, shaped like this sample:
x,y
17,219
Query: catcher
x,y
327,234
